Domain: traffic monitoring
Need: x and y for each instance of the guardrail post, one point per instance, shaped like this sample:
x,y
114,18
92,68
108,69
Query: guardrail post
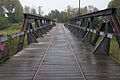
x,y
104,45
38,32
21,42
97,34
44,28
30,34
88,35
81,32
41,26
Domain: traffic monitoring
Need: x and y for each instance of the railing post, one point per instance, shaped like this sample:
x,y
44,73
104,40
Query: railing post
x,y
81,32
104,45
38,32
88,35
30,33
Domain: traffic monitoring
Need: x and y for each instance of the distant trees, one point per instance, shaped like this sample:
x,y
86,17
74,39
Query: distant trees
x,y
40,12
29,10
69,13
115,4
53,14
59,16
26,9
33,11
75,11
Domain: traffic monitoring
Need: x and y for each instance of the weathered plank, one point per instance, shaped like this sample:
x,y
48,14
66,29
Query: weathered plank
x,y
59,63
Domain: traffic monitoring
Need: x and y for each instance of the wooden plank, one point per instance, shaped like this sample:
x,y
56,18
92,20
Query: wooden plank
x,y
59,63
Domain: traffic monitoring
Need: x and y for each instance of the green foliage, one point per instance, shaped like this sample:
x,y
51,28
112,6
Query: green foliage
x,y
18,12
67,18
13,9
1,14
1,9
115,4
70,12
9,6
4,23
60,16
14,28
96,22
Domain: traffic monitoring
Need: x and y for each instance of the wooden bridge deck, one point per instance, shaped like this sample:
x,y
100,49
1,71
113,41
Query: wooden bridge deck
x,y
58,62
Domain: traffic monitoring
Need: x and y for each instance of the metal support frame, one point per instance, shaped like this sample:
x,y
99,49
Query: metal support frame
x,y
31,36
15,42
104,45
38,31
110,25
88,34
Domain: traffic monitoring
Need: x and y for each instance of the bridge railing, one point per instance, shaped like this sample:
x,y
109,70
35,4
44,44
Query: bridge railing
x,y
100,29
12,44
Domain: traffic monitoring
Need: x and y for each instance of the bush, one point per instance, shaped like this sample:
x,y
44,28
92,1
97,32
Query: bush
x,y
4,23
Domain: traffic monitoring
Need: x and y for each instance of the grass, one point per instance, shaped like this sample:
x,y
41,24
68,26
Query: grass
x,y
15,28
114,48
93,37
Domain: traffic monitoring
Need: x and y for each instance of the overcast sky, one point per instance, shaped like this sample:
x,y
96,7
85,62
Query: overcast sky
x,y
48,5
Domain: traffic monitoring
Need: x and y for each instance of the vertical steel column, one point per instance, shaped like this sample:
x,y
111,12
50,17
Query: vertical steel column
x,y
31,38
38,31
103,46
88,35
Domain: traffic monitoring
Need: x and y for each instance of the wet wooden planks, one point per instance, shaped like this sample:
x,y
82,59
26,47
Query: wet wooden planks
x,y
23,65
59,63
96,67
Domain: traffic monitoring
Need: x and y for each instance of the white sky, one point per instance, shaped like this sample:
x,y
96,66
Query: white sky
x,y
48,5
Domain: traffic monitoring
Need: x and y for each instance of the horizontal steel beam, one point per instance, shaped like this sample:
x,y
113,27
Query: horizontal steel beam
x,y
30,16
111,11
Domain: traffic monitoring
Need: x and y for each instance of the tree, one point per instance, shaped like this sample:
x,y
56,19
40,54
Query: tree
x,y
115,4
12,8
4,23
69,8
84,10
33,11
54,14
59,16
1,9
40,11
88,9
75,11
27,9
18,11
9,6
69,13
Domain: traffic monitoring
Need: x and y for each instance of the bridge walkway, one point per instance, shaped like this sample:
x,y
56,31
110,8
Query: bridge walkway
x,y
59,56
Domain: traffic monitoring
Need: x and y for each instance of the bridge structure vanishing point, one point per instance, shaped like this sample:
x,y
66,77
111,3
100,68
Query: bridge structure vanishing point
x,y
76,50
